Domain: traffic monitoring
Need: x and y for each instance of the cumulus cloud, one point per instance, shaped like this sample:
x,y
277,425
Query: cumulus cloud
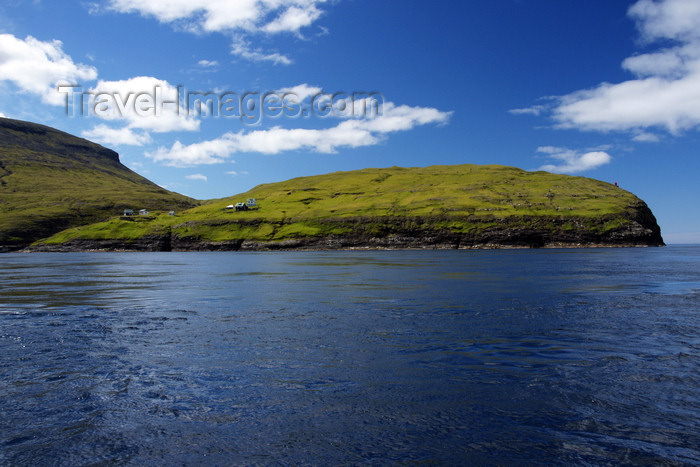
x,y
45,70
667,19
206,152
351,133
666,92
570,161
196,177
37,67
104,134
302,91
137,101
142,104
240,17
293,19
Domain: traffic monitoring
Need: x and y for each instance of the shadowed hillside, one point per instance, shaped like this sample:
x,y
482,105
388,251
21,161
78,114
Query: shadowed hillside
x,y
51,180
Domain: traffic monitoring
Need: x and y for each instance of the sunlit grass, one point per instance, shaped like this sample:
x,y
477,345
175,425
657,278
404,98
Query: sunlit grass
x,y
50,180
460,199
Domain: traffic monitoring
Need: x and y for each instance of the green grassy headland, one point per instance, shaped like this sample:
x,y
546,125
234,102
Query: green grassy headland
x,y
57,189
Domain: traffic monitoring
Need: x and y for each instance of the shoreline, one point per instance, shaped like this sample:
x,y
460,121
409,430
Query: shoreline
x,y
290,248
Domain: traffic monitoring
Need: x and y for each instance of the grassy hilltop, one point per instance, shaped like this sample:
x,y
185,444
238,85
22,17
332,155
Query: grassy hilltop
x,y
438,206
51,180
60,192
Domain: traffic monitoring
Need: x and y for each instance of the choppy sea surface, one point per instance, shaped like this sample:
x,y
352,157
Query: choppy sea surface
x,y
512,357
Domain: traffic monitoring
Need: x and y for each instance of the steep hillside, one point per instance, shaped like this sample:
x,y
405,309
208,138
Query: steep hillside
x,y
50,181
465,206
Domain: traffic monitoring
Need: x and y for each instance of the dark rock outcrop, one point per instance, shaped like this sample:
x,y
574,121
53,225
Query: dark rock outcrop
x,y
416,233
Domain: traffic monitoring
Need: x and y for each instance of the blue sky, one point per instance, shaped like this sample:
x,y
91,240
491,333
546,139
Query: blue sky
x,y
603,89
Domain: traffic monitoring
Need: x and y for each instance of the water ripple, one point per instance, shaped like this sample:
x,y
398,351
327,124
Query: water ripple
x,y
553,357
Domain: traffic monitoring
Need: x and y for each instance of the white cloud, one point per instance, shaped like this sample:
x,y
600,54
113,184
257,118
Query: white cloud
x,y
239,17
534,110
2,115
208,63
206,152
235,173
93,8
293,19
116,136
216,15
302,91
242,48
668,64
38,67
645,137
349,133
196,177
666,91
667,19
571,161
143,103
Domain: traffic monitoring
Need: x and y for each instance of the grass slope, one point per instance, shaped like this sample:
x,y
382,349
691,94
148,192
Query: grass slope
x,y
447,198
50,180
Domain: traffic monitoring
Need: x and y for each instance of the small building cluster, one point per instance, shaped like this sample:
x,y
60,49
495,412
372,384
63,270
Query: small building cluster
x,y
142,212
250,204
130,212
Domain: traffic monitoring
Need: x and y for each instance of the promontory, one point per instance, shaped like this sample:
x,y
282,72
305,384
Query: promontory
x,y
63,193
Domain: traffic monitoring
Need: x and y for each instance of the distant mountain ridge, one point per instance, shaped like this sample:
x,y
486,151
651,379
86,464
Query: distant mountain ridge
x,y
36,138
51,180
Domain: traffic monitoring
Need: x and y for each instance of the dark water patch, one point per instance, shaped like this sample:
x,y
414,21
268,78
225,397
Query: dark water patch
x,y
556,357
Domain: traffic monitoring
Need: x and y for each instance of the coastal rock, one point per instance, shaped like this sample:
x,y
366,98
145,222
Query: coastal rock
x,y
402,233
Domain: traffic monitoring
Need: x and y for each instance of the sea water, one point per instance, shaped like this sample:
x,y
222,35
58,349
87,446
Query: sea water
x,y
530,357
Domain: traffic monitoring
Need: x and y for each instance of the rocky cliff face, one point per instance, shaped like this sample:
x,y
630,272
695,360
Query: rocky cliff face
x,y
400,233
417,233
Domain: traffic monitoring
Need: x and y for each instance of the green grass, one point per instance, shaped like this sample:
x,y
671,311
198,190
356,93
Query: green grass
x,y
56,188
50,180
460,199
437,190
